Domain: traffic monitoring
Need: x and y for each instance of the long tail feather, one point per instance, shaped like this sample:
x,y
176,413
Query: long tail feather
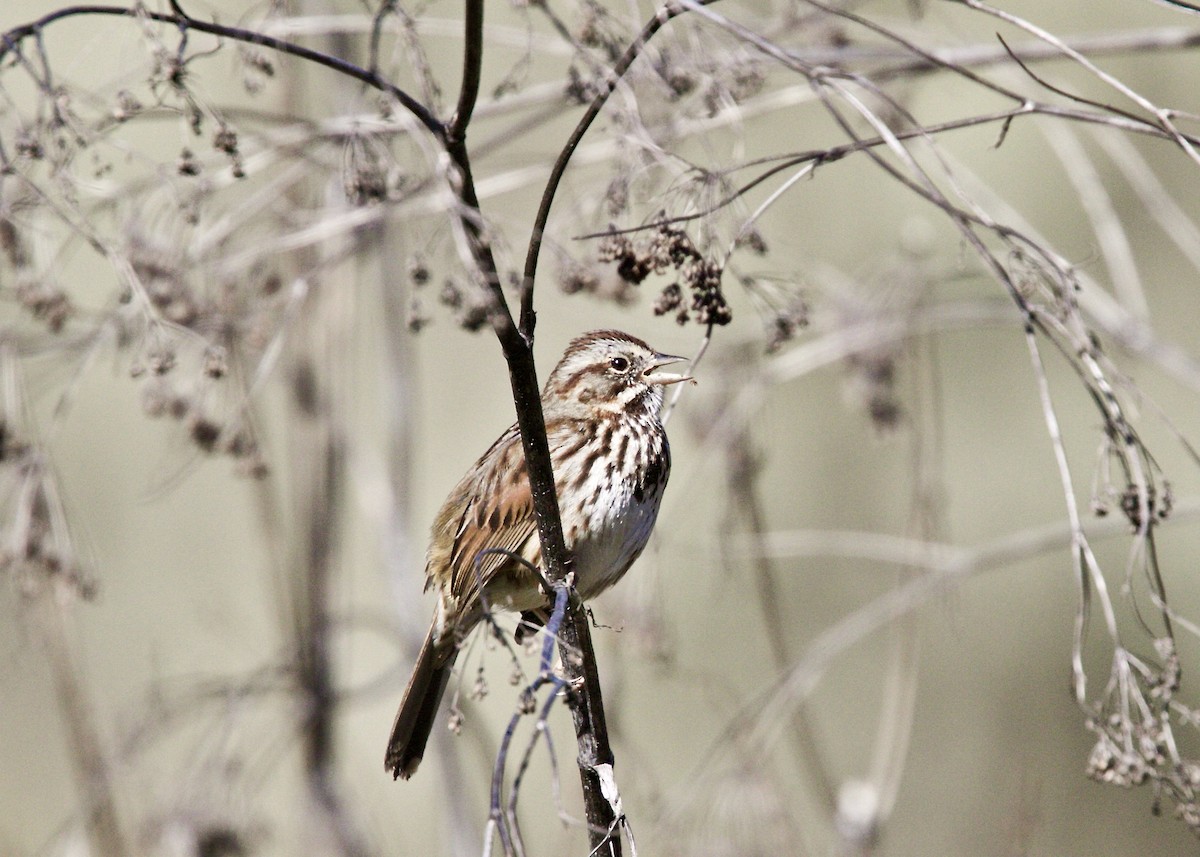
x,y
419,707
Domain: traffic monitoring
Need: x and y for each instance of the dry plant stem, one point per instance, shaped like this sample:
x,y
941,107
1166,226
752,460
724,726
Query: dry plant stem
x,y
1164,118
824,79
665,14
314,364
1113,320
896,720
102,821
542,731
1068,330
586,703
1101,210
1086,571
503,818
942,559
1155,198
461,828
587,708
742,470
976,56
945,565
318,469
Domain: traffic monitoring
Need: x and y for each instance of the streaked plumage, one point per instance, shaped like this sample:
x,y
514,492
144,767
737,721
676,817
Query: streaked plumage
x,y
611,461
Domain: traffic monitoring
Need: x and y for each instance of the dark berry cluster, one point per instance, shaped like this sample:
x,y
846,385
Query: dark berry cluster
x,y
671,248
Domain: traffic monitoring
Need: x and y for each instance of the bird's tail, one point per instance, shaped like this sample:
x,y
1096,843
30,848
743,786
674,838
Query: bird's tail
x,y
419,707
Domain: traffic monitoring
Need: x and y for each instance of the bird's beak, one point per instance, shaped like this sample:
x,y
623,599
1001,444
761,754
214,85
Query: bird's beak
x,y
665,378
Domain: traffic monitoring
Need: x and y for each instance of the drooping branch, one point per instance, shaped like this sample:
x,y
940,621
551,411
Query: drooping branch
x,y
11,40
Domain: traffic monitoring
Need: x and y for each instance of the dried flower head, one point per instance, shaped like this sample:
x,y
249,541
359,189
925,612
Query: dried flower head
x,y
670,248
187,164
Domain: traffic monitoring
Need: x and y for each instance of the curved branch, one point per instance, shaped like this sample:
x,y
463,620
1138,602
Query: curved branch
x,y
11,38
665,14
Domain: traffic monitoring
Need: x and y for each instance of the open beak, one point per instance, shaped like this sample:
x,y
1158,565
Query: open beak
x,y
665,378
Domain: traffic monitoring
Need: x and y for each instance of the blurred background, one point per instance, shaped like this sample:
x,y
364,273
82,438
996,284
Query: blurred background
x,y
243,361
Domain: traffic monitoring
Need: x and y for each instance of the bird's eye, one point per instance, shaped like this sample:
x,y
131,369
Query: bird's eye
x,y
619,364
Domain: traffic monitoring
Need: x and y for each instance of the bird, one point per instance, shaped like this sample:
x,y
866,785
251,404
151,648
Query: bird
x,y
611,460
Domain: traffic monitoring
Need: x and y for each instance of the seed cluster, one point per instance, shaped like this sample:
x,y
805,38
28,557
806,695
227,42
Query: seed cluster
x,y
185,348
185,400
36,546
669,248
1158,505
37,292
874,385
1135,743
578,278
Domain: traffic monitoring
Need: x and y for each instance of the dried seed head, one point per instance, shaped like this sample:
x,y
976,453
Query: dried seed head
x,y
616,195
669,300
186,164
668,247
753,240
365,181
272,284
474,316
46,302
253,468
127,106
527,703
455,721
258,68
13,244
633,267
204,432
417,317
225,140
161,360
575,277
580,89
451,294
418,270
216,361
28,145
679,81
479,689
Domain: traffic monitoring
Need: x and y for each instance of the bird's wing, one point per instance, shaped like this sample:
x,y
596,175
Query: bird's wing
x,y
495,518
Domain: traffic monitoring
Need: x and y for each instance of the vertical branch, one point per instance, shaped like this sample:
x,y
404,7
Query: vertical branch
x,y
319,509
101,819
591,729
317,480
587,710
36,545
472,71
318,460
317,373
742,470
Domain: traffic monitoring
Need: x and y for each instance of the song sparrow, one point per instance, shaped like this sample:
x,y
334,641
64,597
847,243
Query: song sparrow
x,y
610,458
